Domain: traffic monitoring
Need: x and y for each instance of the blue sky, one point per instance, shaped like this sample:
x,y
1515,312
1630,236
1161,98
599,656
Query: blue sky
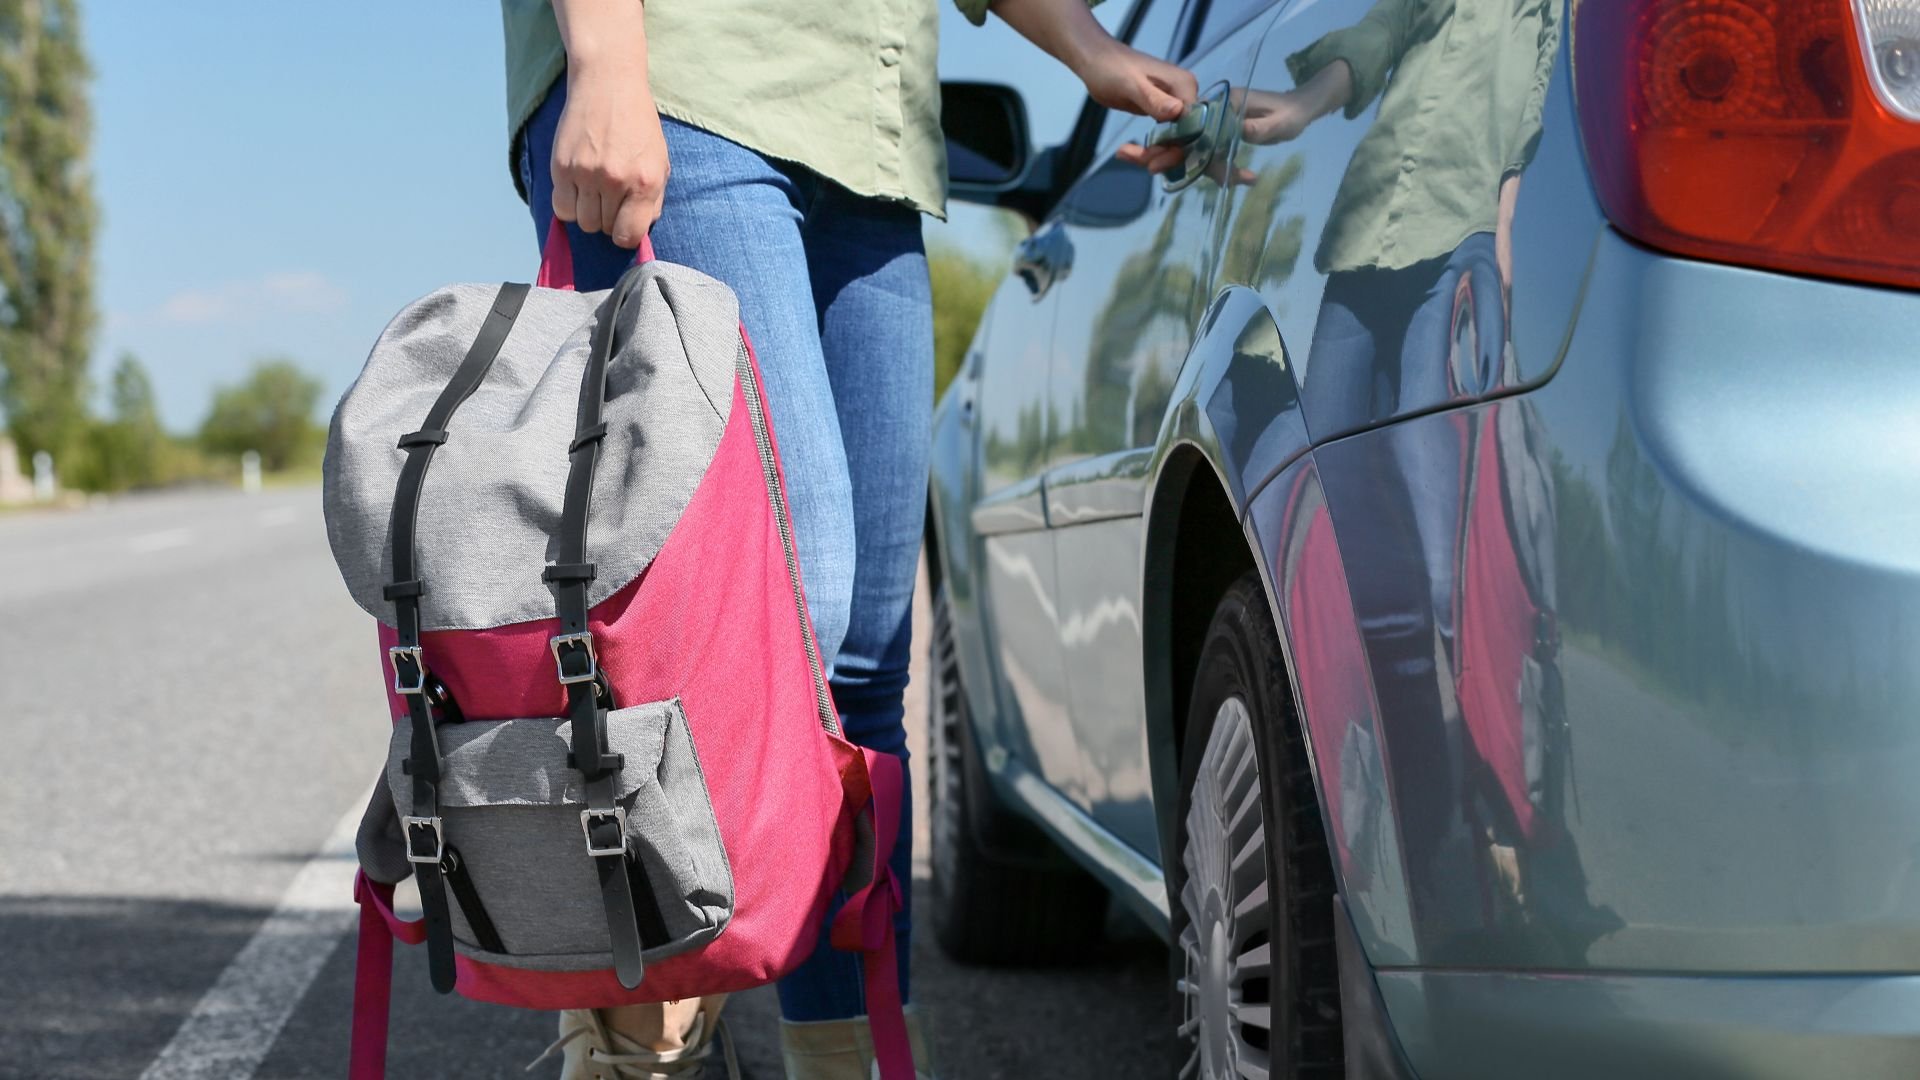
x,y
280,179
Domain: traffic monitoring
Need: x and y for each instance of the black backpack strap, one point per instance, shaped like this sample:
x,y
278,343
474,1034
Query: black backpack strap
x,y
588,693
426,838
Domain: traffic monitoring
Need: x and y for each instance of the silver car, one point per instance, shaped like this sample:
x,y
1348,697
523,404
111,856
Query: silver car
x,y
1446,552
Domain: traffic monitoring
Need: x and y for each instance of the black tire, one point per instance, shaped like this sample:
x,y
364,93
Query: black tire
x,y
1240,661
1003,894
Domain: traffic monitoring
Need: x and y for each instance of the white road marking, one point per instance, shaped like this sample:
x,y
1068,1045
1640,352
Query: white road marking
x,y
230,1031
279,515
161,540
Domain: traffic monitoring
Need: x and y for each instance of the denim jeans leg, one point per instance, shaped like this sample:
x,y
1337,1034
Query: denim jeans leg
x,y
1431,452
1337,395
876,326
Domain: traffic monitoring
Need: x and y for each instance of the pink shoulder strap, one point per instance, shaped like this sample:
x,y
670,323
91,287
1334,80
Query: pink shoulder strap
x,y
865,924
373,974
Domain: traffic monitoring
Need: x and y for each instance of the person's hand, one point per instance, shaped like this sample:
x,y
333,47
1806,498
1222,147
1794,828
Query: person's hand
x,y
1121,77
1267,118
1124,78
1154,159
1115,74
609,155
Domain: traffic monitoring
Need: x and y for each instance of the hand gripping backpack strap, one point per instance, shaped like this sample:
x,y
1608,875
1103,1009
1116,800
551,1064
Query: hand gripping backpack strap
x,y
603,822
865,924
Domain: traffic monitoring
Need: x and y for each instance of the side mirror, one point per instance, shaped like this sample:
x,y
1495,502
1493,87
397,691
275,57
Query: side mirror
x,y
988,147
990,158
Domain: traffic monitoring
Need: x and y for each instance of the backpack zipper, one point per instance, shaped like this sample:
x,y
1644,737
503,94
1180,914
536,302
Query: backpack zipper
x,y
757,415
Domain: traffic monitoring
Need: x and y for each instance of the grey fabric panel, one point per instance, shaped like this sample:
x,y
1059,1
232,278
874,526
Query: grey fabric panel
x,y
512,807
491,501
524,762
381,846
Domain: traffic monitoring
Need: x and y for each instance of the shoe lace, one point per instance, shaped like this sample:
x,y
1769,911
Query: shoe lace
x,y
645,1064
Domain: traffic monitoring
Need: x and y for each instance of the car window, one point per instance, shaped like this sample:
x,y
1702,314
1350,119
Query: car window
x,y
1218,18
1153,33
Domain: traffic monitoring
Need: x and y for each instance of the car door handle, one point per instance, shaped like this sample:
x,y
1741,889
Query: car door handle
x,y
1185,131
1199,132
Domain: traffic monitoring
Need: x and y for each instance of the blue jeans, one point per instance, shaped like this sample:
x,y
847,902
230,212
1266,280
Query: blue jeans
x,y
835,297
1382,346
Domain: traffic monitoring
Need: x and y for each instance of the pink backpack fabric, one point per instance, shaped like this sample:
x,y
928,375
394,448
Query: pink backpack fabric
x,y
704,854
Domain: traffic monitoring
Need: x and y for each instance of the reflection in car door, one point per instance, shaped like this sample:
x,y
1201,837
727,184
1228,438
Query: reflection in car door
x,y
1125,319
1387,142
1018,427
1016,564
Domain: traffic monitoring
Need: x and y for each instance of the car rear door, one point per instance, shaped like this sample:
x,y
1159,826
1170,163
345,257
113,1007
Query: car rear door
x,y
1140,247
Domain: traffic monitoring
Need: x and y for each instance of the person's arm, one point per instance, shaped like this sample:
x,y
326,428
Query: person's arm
x,y
1116,75
609,155
1526,141
1371,48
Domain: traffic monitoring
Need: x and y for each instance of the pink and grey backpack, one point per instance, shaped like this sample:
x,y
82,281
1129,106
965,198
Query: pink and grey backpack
x,y
616,773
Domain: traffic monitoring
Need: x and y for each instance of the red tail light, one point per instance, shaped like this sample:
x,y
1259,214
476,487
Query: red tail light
x,y
1774,133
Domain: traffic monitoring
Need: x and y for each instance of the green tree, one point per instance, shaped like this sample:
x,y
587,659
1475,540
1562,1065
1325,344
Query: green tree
x,y
961,288
46,225
128,450
271,412
1263,247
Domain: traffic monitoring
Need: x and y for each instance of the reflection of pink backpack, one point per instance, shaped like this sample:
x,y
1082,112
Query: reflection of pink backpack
x,y
616,772
1508,668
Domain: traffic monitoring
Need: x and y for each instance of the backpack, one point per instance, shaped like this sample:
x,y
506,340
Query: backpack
x,y
615,772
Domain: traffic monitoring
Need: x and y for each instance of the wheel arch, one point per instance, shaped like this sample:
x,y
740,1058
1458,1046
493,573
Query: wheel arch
x,y
1234,423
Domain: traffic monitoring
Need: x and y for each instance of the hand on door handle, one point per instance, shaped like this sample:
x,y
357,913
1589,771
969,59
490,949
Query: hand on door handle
x,y
1184,131
1180,150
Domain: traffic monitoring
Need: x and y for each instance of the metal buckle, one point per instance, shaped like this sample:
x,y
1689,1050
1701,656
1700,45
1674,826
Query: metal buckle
x,y
561,641
413,653
439,839
619,815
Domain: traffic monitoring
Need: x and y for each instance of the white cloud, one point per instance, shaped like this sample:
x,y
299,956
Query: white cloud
x,y
286,292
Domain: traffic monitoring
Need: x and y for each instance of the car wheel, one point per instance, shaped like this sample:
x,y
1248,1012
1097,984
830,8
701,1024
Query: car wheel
x,y
1256,978
1002,892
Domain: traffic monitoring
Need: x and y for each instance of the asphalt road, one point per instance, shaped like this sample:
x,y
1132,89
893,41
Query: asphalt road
x,y
190,707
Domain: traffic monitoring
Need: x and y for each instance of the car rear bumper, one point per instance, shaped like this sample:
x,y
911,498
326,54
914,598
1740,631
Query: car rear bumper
x,y
1515,1026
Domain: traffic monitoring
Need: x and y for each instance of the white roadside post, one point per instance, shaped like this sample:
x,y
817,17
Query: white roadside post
x,y
42,475
250,472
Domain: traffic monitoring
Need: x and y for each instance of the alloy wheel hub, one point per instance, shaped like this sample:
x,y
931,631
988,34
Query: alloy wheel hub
x,y
1226,939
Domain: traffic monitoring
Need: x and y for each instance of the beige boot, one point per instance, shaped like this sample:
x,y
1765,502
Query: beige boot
x,y
671,1041
843,1049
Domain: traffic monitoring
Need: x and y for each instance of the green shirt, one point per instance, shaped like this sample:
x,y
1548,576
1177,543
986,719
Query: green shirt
x,y
847,88
1464,84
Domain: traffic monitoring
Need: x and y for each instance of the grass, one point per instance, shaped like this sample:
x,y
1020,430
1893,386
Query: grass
x,y
297,476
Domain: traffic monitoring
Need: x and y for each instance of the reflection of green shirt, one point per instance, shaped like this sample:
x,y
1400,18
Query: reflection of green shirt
x,y
1465,82
848,88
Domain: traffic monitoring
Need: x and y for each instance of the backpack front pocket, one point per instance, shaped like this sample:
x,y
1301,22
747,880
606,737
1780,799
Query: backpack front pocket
x,y
511,809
